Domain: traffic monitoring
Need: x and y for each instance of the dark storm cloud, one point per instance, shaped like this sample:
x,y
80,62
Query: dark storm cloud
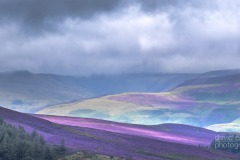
x,y
85,37
44,14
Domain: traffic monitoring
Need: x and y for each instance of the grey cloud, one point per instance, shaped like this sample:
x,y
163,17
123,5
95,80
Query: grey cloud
x,y
44,15
152,5
111,37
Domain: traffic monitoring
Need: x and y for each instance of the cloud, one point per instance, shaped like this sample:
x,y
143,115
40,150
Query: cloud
x,y
111,37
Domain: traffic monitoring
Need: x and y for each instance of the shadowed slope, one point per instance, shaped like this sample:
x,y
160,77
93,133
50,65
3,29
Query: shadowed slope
x,y
27,92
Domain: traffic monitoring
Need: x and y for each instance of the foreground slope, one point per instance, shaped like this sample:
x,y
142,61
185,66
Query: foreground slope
x,y
27,92
203,102
168,132
110,143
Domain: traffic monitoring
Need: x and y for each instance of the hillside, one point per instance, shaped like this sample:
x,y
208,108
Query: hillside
x,y
28,92
168,132
112,143
200,102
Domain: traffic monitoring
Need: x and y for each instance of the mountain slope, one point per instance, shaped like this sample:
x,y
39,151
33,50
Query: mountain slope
x,y
110,143
219,73
27,92
168,132
200,102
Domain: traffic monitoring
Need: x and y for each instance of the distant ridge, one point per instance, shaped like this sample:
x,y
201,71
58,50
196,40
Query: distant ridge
x,y
35,91
202,102
17,72
219,73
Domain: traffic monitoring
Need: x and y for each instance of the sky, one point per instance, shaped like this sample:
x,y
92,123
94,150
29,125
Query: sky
x,y
87,37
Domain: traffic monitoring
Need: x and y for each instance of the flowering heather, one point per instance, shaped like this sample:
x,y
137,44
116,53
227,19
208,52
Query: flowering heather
x,y
111,143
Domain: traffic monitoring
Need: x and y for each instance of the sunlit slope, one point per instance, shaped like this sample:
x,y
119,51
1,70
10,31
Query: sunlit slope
x,y
178,133
201,102
27,92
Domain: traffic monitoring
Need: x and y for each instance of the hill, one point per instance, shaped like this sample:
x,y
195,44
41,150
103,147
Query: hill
x,y
28,92
219,73
104,142
200,102
168,132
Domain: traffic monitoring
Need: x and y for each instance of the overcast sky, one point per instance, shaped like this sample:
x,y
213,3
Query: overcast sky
x,y
85,37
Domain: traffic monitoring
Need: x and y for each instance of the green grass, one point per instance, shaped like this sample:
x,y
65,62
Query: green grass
x,y
172,156
89,156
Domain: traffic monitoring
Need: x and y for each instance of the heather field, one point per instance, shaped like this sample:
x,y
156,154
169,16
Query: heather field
x,y
178,124
124,141
168,132
207,101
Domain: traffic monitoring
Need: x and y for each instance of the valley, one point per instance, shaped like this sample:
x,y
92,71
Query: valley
x,y
165,116
206,101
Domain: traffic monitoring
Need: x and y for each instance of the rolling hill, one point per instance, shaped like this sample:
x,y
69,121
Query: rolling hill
x,y
203,101
168,132
28,92
125,141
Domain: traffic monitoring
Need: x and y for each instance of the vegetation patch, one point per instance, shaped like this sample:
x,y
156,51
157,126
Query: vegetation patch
x,y
17,144
81,155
